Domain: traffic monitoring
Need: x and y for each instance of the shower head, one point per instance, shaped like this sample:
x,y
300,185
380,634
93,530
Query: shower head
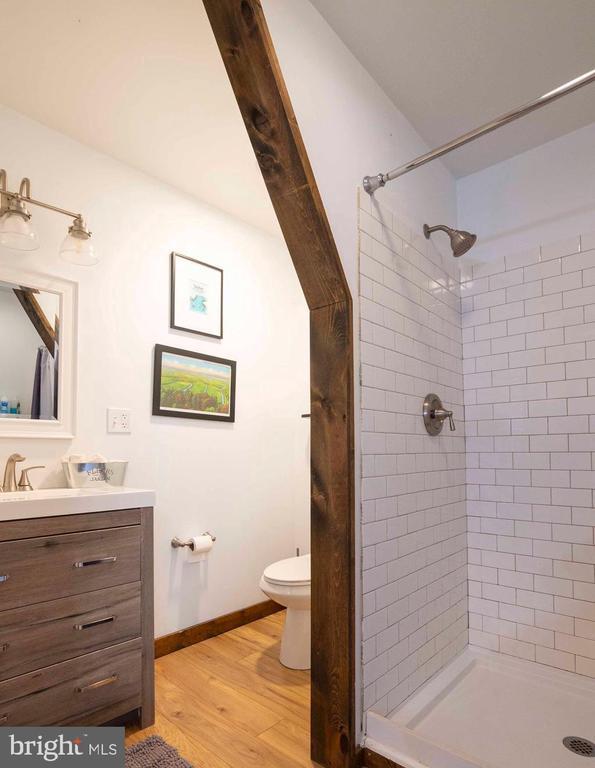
x,y
460,241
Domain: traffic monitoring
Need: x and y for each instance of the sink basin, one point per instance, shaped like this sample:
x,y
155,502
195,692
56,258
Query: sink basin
x,y
42,493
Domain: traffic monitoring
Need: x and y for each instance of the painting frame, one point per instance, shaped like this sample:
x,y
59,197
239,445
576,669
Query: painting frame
x,y
160,410
207,272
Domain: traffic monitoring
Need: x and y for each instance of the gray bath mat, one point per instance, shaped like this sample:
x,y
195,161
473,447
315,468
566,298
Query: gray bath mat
x,y
154,752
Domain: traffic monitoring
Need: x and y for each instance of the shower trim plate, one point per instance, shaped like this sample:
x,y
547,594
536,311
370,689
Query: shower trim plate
x,y
435,414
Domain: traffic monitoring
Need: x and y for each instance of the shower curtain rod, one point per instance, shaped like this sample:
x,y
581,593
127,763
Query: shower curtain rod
x,y
372,183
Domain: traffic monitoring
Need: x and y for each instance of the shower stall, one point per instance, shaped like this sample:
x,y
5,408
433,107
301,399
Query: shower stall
x,y
478,541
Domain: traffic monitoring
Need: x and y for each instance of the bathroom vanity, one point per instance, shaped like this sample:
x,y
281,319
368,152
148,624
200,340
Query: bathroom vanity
x,y
76,607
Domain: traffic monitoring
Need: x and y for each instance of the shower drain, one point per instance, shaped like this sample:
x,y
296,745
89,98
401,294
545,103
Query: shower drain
x,y
579,746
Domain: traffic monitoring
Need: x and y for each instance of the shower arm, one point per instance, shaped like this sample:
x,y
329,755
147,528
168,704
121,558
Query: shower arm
x,y
372,183
437,228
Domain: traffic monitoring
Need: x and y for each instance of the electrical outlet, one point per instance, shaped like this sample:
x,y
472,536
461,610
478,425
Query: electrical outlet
x,y
118,420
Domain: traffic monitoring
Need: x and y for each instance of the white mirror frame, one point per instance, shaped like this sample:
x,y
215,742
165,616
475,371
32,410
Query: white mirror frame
x,y
64,427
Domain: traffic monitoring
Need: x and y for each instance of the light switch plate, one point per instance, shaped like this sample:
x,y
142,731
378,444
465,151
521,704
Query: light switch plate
x,y
118,420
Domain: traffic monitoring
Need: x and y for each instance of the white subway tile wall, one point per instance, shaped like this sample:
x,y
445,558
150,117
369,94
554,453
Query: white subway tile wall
x,y
413,485
529,361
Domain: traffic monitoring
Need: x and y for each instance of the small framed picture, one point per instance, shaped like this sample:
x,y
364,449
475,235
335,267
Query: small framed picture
x,y
189,385
196,296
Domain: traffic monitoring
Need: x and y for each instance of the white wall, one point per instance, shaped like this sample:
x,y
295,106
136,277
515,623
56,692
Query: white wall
x,y
529,331
413,485
242,481
350,128
528,358
539,196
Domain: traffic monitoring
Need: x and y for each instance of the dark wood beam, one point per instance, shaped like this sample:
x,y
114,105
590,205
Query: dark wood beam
x,y
35,313
333,546
248,54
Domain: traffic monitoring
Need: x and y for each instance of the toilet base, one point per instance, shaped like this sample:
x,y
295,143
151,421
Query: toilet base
x,y
295,641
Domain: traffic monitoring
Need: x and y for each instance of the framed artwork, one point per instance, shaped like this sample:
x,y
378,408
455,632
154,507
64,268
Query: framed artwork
x,y
190,385
196,296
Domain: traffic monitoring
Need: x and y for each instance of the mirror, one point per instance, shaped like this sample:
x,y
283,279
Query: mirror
x,y
37,337
29,352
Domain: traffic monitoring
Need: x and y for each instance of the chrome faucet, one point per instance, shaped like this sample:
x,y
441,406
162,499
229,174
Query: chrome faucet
x,y
10,475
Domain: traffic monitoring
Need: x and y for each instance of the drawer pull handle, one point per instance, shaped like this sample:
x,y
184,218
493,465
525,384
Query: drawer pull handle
x,y
96,623
4,577
98,684
98,561
4,647
3,719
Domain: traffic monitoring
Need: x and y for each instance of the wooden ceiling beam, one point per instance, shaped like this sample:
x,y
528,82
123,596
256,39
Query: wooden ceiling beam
x,y
35,313
248,54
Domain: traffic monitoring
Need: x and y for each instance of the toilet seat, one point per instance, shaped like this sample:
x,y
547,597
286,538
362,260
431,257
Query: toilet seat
x,y
292,572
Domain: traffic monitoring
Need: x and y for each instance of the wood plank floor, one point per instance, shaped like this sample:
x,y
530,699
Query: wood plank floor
x,y
228,702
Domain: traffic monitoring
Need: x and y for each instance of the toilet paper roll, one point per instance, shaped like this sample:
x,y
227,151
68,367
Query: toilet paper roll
x,y
201,546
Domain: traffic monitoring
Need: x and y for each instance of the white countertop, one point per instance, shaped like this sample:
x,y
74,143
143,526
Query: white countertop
x,y
52,502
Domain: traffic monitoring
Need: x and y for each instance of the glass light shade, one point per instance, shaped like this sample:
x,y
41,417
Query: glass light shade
x,y
78,250
17,233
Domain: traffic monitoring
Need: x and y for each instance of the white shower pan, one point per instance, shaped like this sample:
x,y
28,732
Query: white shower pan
x,y
487,710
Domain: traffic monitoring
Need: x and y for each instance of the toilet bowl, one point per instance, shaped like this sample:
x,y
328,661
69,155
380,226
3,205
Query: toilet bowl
x,y
287,582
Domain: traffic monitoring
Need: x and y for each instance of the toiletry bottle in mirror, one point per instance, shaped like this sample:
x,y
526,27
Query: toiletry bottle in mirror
x,y
3,404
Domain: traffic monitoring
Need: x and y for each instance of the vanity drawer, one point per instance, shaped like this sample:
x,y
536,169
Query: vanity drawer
x,y
75,691
47,633
45,568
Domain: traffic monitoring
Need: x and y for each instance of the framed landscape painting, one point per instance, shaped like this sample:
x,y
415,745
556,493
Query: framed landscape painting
x,y
189,385
196,296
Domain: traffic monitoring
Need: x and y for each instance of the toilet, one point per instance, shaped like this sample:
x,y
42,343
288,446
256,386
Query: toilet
x,y
287,582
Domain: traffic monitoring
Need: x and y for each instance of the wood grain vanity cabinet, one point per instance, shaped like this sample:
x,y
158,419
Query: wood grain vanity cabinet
x,y
76,619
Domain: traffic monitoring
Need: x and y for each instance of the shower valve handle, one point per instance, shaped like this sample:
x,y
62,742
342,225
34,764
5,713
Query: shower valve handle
x,y
441,414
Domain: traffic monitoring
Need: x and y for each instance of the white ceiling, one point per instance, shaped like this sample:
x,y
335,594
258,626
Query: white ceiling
x,y
141,80
451,65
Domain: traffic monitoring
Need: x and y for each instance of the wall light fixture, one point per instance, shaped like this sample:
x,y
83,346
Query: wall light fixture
x,y
17,232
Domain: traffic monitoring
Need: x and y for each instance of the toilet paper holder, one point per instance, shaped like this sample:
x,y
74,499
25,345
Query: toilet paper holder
x,y
177,543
